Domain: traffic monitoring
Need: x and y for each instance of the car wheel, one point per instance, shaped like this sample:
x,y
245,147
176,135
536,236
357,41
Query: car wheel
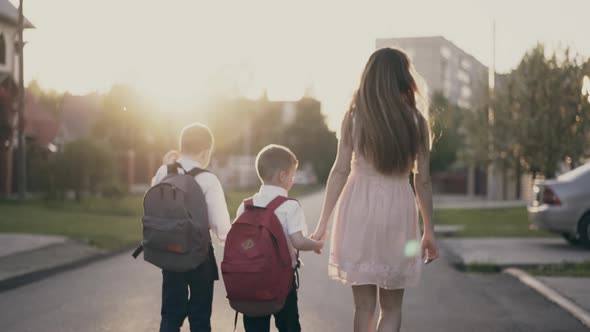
x,y
584,230
571,239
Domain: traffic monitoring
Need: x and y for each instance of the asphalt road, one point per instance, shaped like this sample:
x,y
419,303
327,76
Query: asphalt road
x,y
120,294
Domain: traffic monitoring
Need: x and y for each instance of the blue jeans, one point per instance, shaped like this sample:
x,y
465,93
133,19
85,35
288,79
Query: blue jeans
x,y
176,304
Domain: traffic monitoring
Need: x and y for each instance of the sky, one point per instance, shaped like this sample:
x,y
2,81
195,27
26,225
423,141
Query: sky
x,y
181,51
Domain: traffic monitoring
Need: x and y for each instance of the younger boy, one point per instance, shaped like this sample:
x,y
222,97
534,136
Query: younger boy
x,y
276,166
196,145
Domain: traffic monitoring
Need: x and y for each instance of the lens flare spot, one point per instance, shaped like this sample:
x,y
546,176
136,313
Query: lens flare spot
x,y
412,248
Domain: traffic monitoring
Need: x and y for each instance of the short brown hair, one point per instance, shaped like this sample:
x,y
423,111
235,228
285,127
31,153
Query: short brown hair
x,y
195,138
273,159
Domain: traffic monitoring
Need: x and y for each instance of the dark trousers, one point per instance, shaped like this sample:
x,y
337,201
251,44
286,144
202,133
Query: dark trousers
x,y
176,303
286,320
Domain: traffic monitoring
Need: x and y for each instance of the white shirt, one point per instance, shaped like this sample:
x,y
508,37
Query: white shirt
x,y
219,221
290,214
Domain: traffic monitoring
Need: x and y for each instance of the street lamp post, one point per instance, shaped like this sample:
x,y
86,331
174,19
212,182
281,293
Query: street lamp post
x,y
491,172
22,175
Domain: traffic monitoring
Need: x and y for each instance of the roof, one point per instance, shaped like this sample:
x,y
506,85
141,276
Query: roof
x,y
9,14
426,39
39,123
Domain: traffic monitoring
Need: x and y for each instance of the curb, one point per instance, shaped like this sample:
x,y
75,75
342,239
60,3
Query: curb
x,y
28,278
552,295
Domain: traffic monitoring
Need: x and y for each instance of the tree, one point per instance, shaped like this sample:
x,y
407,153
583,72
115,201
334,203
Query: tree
x,y
549,116
122,120
245,126
50,99
540,117
310,138
130,122
85,166
448,132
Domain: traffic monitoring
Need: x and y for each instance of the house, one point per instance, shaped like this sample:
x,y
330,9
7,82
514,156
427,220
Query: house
x,y
9,60
41,127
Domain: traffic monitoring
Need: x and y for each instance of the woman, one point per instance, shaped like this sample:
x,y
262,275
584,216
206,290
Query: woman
x,y
375,240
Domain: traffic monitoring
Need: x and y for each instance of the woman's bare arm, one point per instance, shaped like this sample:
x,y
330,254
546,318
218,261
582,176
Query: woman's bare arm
x,y
336,180
423,187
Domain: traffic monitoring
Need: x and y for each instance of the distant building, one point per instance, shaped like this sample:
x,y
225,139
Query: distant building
x,y
240,172
9,60
445,67
462,79
9,38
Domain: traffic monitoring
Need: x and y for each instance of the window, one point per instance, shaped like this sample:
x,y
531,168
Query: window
x,y
445,52
466,91
466,64
444,68
463,76
464,103
2,50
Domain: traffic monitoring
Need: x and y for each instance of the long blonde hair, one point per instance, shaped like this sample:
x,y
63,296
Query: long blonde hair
x,y
390,113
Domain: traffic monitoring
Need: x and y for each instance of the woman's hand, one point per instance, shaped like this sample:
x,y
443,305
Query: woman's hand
x,y
320,233
320,247
429,248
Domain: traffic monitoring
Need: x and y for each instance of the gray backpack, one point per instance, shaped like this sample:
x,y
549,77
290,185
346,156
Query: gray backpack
x,y
175,222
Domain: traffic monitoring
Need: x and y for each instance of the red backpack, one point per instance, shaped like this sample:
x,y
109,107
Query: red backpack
x,y
256,265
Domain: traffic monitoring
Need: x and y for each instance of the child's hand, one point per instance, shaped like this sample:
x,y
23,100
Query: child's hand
x,y
171,157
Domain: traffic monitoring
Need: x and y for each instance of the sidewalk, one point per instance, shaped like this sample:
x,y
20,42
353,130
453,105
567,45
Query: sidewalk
x,y
25,258
12,243
571,294
513,252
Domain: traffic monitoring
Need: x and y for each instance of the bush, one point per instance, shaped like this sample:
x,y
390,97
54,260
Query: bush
x,y
82,166
112,190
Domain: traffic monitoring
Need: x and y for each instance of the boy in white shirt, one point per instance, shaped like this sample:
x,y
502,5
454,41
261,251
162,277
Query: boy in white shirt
x,y
276,166
196,145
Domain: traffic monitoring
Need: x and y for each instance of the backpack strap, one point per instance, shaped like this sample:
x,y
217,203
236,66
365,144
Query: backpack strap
x,y
173,168
196,171
249,202
278,201
273,205
137,251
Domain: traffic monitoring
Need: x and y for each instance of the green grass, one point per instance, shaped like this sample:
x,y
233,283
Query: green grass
x,y
581,270
481,268
105,223
104,230
114,224
508,222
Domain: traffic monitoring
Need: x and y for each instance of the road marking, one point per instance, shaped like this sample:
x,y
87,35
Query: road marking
x,y
551,294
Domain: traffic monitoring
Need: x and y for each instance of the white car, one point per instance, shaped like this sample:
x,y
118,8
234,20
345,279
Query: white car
x,y
563,205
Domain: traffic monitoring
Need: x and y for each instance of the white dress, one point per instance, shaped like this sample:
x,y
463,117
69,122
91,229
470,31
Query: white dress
x,y
376,236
